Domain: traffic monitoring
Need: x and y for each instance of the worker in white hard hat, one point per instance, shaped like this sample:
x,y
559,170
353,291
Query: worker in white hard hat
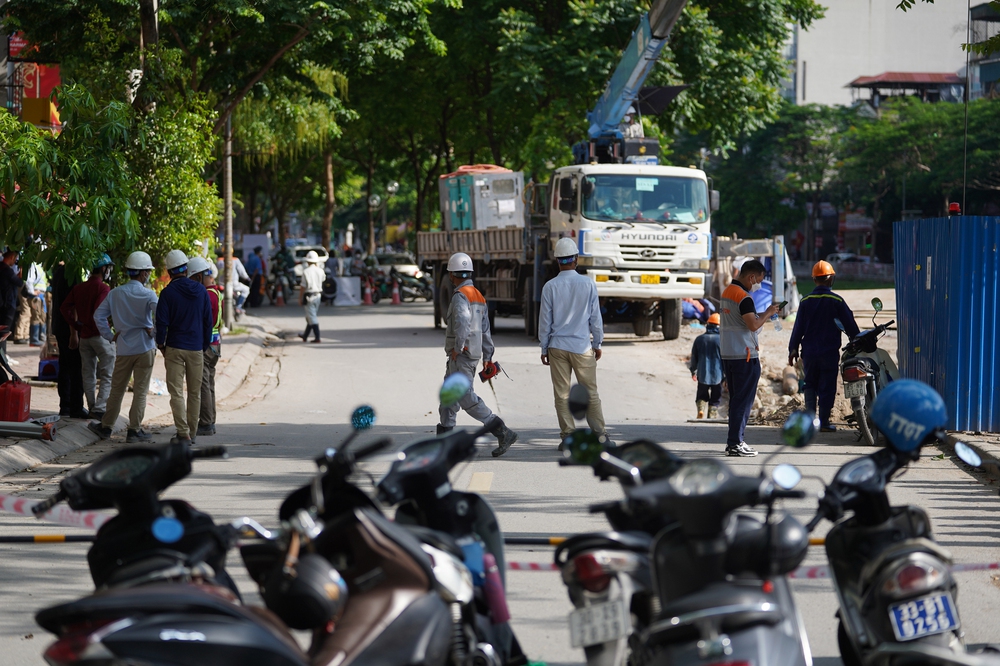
x,y
631,127
183,333
466,340
203,271
570,332
130,307
310,293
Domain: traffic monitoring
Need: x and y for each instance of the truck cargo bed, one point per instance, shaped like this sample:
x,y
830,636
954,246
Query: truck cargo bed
x,y
507,243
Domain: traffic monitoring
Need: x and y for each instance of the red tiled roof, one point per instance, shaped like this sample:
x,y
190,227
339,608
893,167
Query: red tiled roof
x,y
906,79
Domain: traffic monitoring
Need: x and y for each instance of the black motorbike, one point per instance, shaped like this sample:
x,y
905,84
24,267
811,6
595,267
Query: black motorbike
x,y
719,574
866,370
893,582
457,522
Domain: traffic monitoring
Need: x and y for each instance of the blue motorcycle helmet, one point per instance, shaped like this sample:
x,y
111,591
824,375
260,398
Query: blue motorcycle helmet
x,y
908,412
105,260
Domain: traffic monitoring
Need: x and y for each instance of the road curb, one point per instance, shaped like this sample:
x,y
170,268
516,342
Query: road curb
x,y
73,434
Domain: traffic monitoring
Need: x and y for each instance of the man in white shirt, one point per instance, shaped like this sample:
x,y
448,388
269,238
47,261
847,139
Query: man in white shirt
x,y
570,332
311,290
131,307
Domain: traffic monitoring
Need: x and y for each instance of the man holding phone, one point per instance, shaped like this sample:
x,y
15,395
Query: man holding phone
x,y
740,322
817,332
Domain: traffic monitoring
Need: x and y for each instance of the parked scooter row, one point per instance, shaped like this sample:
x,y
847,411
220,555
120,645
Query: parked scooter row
x,y
688,577
372,591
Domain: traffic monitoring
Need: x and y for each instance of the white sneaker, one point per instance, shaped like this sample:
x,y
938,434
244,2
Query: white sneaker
x,y
741,450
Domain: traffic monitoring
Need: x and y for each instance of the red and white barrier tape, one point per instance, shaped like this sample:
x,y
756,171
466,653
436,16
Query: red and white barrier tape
x,y
802,573
60,514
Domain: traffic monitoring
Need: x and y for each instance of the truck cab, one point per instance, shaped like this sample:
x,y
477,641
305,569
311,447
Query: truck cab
x,y
643,232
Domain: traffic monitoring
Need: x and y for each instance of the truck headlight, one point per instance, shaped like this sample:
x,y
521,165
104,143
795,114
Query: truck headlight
x,y
691,263
596,262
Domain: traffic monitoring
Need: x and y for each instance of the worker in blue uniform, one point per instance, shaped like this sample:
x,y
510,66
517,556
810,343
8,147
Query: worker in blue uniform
x,y
817,332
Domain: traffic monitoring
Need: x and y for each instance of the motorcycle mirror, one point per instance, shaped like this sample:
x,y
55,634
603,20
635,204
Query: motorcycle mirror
x,y
454,388
967,454
584,447
799,429
579,400
786,476
877,304
839,324
363,417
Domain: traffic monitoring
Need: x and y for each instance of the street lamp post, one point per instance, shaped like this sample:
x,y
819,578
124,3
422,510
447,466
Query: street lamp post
x,y
376,203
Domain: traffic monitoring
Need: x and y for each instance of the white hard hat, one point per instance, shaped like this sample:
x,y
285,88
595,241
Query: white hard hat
x,y
312,257
198,265
566,247
175,259
631,111
138,261
460,263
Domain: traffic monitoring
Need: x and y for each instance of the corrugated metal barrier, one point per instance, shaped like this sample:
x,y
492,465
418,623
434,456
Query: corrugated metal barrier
x,y
947,275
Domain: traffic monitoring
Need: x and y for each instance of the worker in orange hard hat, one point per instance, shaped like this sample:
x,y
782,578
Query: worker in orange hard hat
x,y
817,332
706,368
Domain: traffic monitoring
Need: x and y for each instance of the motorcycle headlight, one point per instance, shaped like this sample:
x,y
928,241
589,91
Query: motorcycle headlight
x,y
419,275
699,477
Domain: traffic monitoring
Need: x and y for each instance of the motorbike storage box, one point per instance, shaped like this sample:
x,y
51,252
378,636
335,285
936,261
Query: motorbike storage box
x,y
15,401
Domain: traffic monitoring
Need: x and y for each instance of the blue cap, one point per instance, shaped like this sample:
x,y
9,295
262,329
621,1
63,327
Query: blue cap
x,y
908,411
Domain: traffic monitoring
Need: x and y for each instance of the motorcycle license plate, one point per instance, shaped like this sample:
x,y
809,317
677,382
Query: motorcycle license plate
x,y
599,623
855,389
933,614
646,278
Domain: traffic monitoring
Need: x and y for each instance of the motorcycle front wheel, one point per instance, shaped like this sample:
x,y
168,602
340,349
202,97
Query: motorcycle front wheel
x,y
848,654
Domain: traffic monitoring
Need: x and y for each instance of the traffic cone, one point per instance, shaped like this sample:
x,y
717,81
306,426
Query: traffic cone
x,y
395,293
367,300
280,299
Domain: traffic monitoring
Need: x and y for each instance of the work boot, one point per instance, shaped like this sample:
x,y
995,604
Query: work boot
x,y
137,436
505,437
443,429
701,409
713,412
206,430
99,430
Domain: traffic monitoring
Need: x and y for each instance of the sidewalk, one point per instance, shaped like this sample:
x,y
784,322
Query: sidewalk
x,y
239,353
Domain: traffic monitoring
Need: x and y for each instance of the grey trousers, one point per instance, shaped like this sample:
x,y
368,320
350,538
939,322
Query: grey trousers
x,y
470,402
98,357
212,355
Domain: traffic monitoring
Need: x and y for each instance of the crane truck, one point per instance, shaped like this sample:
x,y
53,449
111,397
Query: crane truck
x,y
643,229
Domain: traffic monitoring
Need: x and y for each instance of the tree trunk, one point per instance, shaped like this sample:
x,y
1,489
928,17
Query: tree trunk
x,y
147,19
371,217
330,201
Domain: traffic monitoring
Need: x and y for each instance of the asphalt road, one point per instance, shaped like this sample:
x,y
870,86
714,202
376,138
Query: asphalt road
x,y
298,401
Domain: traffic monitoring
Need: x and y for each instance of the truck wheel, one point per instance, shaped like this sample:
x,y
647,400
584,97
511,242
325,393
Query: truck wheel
x,y
642,327
670,318
528,307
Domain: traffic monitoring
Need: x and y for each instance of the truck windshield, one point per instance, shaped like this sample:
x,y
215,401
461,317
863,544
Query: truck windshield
x,y
656,198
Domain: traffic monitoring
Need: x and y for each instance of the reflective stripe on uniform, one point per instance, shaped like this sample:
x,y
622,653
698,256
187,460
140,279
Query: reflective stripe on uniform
x,y
736,340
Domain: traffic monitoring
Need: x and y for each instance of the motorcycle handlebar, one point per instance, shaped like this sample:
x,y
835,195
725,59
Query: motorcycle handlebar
x,y
43,507
817,519
779,493
209,452
601,507
369,449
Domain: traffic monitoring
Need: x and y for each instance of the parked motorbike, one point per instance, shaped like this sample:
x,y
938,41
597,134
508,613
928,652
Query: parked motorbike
x,y
461,523
609,572
412,288
893,582
719,574
866,370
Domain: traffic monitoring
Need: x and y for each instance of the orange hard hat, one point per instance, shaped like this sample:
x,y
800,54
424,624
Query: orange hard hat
x,y
714,318
823,269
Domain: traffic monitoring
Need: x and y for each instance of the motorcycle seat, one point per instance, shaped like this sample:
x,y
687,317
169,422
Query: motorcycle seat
x,y
636,542
435,538
727,606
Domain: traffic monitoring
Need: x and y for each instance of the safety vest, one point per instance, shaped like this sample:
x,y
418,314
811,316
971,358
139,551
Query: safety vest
x,y
217,325
736,340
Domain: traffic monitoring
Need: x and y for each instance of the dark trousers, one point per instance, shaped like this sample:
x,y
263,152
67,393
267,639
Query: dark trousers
x,y
255,298
70,380
207,416
710,393
741,379
822,373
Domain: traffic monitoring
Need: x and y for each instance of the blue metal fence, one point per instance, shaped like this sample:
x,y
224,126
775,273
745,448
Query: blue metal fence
x,y
947,274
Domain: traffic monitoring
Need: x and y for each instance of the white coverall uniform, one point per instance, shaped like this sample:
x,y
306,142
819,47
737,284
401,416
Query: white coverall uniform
x,y
469,332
